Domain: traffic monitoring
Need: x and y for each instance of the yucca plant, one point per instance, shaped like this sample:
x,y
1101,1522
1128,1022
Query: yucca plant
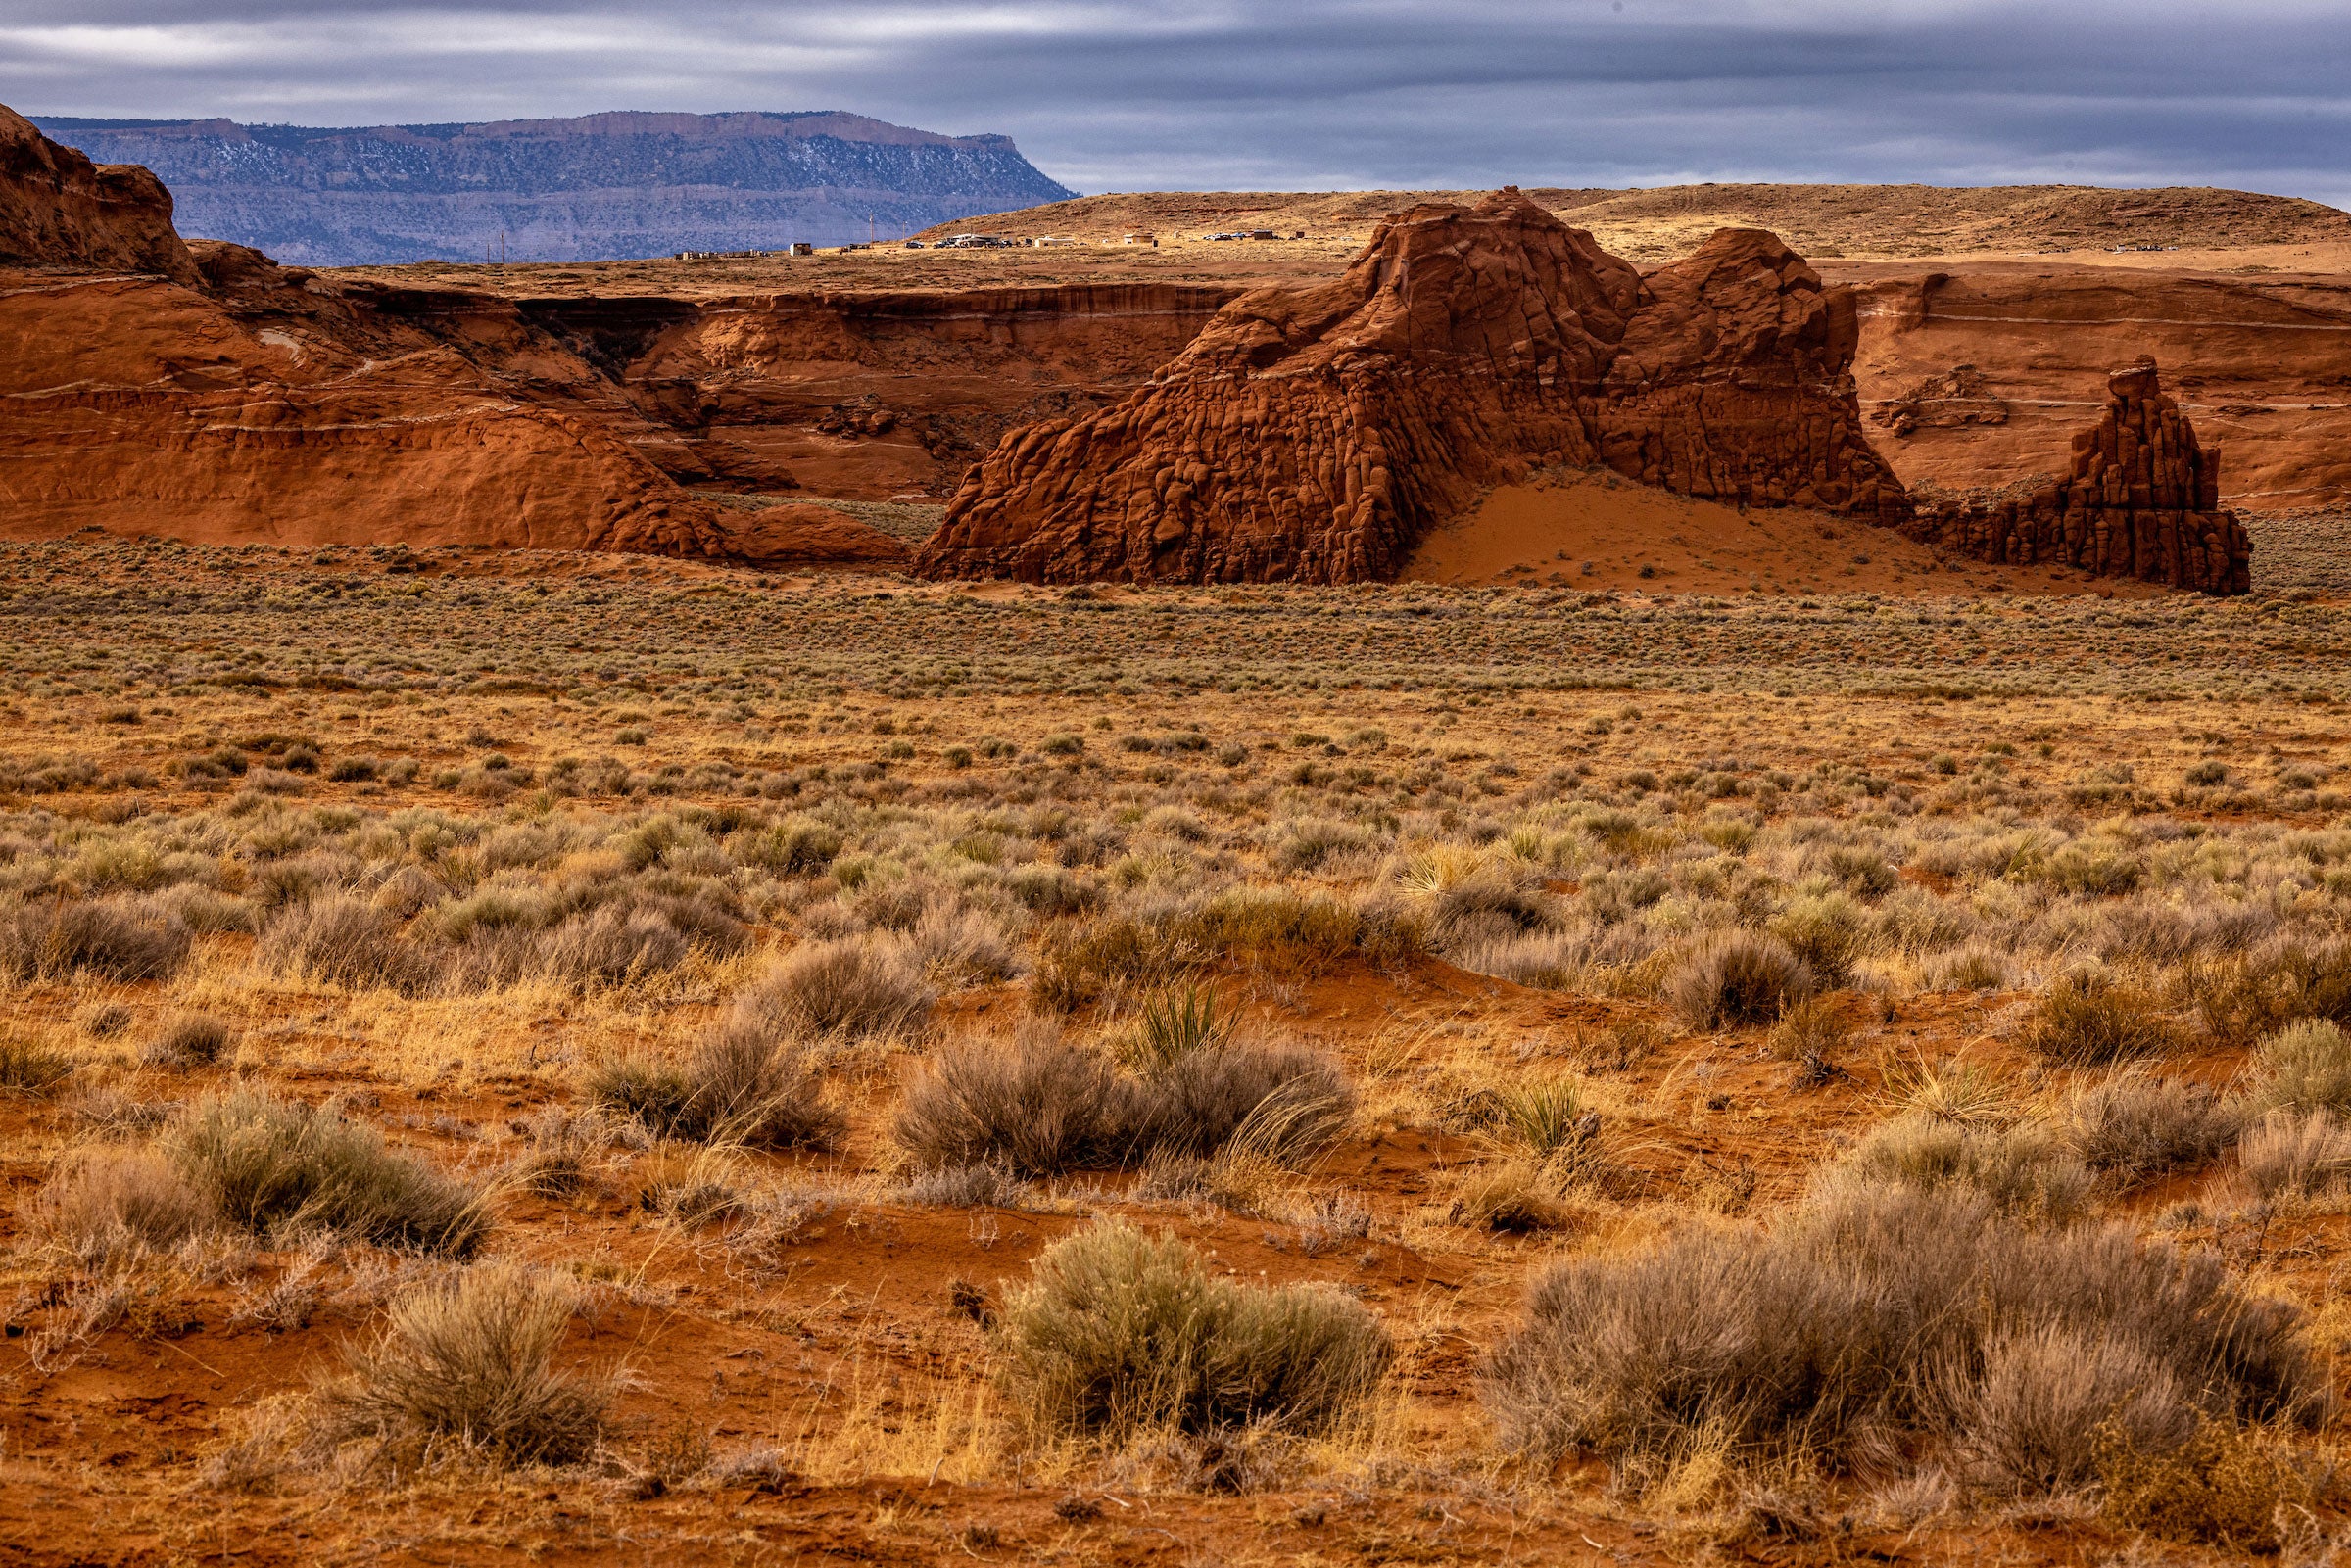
x,y
1174,1023
1546,1115
1949,1090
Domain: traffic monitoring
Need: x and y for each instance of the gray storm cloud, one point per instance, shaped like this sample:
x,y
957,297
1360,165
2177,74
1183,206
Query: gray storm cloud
x,y
1118,95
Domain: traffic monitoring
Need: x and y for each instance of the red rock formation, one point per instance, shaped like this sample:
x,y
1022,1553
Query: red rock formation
x,y
58,209
810,536
2142,501
1313,433
214,395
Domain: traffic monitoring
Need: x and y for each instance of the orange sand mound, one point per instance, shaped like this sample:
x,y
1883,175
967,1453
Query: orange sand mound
x,y
1547,530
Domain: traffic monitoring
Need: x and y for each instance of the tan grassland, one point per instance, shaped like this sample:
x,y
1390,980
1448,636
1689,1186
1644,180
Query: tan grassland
x,y
584,1059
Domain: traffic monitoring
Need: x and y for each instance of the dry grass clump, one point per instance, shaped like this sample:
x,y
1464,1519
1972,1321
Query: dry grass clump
x,y
2091,1020
2304,1066
116,1203
1732,978
1117,1333
2224,1485
1039,1106
276,1169
189,1039
1276,1102
1834,1336
849,989
338,939
118,939
2264,990
2024,1171
2134,1127
2290,1153
30,1065
739,1085
470,1363
1035,1106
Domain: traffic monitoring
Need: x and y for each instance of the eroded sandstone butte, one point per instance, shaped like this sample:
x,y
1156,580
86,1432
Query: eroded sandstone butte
x,y
1313,433
2143,500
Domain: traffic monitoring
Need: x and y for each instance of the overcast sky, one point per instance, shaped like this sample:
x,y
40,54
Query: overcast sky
x,y
1303,94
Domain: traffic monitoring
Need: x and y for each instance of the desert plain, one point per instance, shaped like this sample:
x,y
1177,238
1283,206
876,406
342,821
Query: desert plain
x,y
1664,1030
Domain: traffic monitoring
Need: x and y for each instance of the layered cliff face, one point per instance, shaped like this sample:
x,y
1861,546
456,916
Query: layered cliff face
x,y
58,209
212,395
2142,501
1974,377
564,190
1313,433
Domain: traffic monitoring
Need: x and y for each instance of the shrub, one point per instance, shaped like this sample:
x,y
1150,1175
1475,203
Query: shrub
x,y
109,937
1833,1335
2090,1018
2050,1395
272,1168
1116,1332
2295,1155
1034,1107
2224,1485
739,1085
2273,987
190,1039
336,939
2019,1170
1814,1030
850,988
32,1066
1275,1102
2134,1127
1733,977
2304,1066
471,1361
118,1202
1109,953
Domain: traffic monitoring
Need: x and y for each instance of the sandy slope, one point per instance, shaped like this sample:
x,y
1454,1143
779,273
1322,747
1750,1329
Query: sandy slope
x,y
1599,531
